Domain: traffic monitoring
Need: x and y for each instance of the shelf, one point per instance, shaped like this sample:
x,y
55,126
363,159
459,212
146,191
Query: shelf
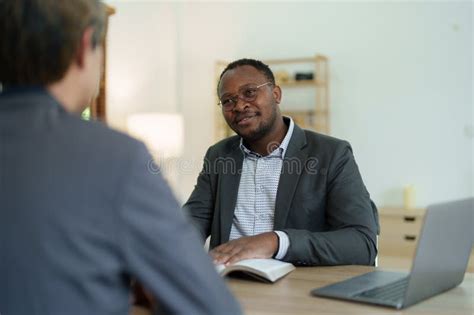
x,y
304,112
301,83
295,60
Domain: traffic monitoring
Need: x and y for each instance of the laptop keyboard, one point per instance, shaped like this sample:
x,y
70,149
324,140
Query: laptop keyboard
x,y
392,292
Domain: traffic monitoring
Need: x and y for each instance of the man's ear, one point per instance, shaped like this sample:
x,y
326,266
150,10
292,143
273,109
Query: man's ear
x,y
277,94
85,46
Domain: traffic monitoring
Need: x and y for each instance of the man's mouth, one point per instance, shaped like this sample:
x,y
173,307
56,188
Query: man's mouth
x,y
243,120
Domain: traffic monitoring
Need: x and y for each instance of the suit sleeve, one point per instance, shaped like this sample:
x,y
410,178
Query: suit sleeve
x,y
161,249
200,205
351,217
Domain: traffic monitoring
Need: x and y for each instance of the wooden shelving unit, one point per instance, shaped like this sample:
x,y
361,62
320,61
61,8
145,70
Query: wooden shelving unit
x,y
314,114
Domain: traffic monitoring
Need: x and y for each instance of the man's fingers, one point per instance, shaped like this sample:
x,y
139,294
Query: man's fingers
x,y
244,254
223,254
219,249
234,251
234,259
220,257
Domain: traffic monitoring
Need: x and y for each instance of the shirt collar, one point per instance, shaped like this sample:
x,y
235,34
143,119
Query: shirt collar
x,y
21,89
281,150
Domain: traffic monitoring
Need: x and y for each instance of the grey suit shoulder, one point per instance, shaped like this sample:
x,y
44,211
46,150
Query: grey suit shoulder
x,y
96,215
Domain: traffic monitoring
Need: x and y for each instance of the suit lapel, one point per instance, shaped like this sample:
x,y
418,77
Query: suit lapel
x,y
229,188
293,166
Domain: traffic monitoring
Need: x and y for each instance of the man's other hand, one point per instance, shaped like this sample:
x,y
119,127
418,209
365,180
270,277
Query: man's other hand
x,y
263,245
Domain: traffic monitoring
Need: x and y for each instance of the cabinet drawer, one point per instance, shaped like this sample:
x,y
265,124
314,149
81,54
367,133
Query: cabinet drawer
x,y
399,232
400,225
397,245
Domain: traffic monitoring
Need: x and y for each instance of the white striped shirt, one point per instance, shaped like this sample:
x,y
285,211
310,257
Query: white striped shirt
x,y
255,207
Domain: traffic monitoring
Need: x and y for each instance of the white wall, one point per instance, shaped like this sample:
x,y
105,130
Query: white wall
x,y
141,61
401,79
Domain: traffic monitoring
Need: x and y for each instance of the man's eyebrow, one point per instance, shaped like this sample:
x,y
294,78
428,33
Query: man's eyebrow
x,y
250,84
225,94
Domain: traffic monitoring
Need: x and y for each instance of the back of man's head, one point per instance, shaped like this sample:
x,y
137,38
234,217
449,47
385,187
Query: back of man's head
x,y
39,39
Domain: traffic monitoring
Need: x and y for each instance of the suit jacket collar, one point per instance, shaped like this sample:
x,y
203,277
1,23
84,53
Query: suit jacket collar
x,y
35,105
293,166
28,95
229,187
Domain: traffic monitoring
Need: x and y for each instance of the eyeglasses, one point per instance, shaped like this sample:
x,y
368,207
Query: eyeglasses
x,y
247,93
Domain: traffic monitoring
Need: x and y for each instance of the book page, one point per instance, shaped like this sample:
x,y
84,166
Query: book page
x,y
263,269
266,265
219,268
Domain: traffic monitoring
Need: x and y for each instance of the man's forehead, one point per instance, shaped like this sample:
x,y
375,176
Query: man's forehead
x,y
240,76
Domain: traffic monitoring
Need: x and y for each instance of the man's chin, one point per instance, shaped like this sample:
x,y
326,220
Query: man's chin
x,y
249,135
242,131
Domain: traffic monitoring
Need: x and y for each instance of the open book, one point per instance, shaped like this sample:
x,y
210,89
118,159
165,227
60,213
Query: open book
x,y
268,270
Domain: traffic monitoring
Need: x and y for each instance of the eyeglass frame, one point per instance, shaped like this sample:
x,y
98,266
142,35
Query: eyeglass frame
x,y
235,98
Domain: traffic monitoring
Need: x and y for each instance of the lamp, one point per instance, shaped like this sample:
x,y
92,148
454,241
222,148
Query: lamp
x,y
162,133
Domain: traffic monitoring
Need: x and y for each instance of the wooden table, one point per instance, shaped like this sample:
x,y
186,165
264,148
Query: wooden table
x,y
291,295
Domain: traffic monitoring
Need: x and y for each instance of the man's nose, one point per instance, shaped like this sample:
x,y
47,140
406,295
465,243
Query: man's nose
x,y
240,105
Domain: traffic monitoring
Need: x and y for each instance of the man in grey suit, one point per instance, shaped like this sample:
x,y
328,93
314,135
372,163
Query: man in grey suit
x,y
275,190
81,214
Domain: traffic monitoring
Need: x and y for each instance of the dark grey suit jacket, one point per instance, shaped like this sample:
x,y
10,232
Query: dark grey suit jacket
x,y
322,203
81,212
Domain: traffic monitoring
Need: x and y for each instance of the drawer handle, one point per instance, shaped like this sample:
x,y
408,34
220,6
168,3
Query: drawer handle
x,y
410,238
409,219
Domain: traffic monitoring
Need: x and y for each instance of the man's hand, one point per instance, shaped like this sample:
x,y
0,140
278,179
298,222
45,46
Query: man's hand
x,y
263,245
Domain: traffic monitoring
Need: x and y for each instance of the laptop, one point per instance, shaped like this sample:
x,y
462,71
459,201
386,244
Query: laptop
x,y
440,262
